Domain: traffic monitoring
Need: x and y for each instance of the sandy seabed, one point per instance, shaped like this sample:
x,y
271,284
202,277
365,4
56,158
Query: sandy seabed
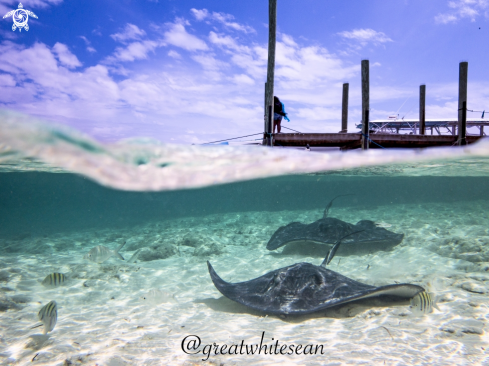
x,y
120,313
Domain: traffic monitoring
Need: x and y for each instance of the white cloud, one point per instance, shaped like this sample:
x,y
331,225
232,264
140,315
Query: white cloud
x,y
46,87
87,42
209,62
7,5
7,80
288,40
199,14
223,18
133,51
221,40
223,89
97,31
179,37
220,84
469,9
226,20
243,79
136,104
445,18
65,56
365,36
174,54
130,32
137,49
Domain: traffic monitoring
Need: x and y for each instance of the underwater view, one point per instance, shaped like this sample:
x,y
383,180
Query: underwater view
x,y
383,262
234,183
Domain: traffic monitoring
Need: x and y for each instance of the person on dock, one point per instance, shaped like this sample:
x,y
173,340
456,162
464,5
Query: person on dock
x,y
278,114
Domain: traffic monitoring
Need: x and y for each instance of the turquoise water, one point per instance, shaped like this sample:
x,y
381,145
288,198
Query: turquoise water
x,y
60,197
36,204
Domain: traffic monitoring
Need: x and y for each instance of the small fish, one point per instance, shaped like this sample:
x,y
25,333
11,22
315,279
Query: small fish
x,y
156,296
54,279
423,303
48,315
100,253
134,256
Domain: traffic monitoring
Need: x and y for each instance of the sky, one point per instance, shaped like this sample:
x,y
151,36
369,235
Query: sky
x,y
193,71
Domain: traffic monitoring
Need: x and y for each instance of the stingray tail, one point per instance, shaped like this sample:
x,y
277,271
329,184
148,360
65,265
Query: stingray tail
x,y
335,247
328,206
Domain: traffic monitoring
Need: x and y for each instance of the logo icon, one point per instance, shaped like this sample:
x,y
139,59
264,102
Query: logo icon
x,y
20,17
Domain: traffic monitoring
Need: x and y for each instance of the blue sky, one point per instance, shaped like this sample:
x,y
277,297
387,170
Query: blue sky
x,y
188,71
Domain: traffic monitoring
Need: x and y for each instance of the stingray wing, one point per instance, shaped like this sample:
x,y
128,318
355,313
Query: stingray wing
x,y
376,235
9,14
327,230
303,288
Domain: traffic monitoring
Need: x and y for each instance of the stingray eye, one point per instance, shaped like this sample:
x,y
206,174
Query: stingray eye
x,y
315,280
144,297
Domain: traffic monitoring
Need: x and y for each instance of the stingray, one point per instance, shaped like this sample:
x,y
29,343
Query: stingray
x,y
304,288
328,230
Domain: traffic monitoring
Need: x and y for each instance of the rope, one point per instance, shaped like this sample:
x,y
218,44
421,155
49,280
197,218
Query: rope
x,y
368,138
234,138
291,129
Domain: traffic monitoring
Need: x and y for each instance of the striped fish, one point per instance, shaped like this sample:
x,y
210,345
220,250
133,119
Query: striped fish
x,y
100,253
423,303
48,315
54,279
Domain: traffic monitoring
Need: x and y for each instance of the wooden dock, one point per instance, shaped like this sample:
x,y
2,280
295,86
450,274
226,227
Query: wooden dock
x,y
346,141
374,134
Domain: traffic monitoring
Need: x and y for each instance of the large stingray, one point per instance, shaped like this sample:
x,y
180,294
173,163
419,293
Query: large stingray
x,y
328,230
304,288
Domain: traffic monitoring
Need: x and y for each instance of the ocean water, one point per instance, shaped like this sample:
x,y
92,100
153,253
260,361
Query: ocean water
x,y
177,207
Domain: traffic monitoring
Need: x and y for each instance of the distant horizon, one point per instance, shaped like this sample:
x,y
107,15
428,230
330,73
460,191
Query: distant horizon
x,y
193,71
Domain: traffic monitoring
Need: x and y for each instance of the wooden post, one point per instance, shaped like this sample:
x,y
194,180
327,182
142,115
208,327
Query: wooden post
x,y
422,103
462,129
344,109
270,126
365,103
265,113
482,130
272,27
462,97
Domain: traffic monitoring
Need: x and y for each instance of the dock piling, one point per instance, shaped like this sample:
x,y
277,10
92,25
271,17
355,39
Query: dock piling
x,y
462,129
272,34
269,129
344,109
265,114
422,113
365,103
462,97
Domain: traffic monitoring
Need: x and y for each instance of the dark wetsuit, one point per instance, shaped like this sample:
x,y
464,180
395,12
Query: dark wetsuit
x,y
278,114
